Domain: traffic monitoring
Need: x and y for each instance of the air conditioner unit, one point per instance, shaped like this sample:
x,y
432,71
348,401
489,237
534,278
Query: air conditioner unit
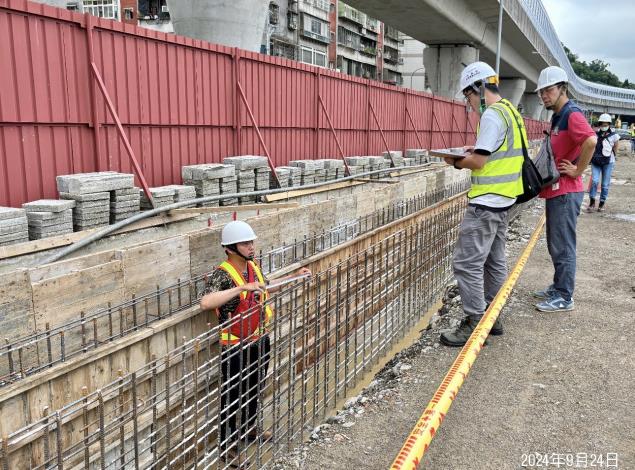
x,y
164,9
400,60
292,22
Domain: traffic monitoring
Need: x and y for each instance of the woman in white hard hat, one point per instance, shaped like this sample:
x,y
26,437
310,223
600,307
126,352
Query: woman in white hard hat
x,y
603,161
236,290
573,141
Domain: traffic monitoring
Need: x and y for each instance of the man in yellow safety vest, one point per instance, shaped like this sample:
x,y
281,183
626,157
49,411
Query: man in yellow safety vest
x,y
237,291
496,160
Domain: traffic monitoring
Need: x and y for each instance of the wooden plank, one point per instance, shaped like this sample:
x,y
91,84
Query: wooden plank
x,y
60,268
34,246
16,306
304,192
244,207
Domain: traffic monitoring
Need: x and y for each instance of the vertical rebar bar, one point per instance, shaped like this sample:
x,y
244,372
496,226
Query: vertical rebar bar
x,y
49,347
58,441
85,426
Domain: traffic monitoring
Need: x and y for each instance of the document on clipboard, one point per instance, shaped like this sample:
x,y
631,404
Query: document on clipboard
x,y
457,153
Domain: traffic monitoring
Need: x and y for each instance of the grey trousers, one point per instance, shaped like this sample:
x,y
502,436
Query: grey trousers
x,y
480,267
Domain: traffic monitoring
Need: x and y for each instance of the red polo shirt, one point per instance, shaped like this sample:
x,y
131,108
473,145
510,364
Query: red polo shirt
x,y
569,130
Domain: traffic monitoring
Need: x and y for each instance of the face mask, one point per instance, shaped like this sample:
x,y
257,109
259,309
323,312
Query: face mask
x,y
604,128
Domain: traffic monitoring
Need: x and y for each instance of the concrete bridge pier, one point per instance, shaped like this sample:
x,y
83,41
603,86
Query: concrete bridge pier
x,y
532,106
239,23
444,64
513,89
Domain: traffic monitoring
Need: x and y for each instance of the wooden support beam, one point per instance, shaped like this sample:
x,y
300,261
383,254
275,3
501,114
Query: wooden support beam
x,y
244,207
304,192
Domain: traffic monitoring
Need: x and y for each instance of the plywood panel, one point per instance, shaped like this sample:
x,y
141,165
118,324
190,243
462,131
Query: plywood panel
x,y
16,305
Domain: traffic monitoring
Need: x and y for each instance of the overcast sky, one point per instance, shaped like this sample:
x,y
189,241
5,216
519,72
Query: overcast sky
x,y
597,30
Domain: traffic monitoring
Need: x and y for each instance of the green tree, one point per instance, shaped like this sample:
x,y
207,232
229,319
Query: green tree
x,y
597,71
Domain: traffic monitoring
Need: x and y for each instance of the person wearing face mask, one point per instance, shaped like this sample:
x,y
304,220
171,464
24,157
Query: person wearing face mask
x,y
479,263
237,291
573,141
603,161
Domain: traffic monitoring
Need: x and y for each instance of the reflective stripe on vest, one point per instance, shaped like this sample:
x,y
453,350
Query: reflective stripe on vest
x,y
226,337
502,174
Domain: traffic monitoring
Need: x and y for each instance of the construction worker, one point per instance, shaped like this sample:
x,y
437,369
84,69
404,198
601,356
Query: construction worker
x,y
603,161
632,138
236,289
573,142
496,160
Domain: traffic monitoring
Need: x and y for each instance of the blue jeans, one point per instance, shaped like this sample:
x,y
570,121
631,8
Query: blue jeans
x,y
605,172
562,217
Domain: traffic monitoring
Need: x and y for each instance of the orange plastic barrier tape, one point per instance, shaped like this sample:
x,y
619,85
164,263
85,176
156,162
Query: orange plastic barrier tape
x,y
419,439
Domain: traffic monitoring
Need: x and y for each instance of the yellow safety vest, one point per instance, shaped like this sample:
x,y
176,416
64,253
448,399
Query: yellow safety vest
x,y
502,174
226,337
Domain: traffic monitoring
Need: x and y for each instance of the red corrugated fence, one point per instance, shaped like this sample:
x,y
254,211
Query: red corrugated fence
x,y
178,102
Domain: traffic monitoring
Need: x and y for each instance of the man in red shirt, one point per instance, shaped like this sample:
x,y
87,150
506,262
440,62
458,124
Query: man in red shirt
x,y
573,142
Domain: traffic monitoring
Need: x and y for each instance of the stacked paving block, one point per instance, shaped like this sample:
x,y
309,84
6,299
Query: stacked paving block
x,y
263,179
13,226
49,217
283,174
419,155
397,157
377,163
246,166
357,165
92,195
334,168
124,203
211,179
294,174
307,168
162,196
320,172
182,192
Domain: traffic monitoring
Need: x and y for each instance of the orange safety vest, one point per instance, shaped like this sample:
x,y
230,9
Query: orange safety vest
x,y
246,327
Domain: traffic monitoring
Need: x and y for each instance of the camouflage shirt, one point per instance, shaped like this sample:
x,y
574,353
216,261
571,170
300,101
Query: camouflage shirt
x,y
220,280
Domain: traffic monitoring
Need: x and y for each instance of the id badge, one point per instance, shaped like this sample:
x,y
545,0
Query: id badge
x,y
555,186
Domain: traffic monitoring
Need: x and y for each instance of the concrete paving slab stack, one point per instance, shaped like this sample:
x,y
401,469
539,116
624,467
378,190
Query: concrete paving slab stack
x,y
49,217
397,157
307,168
284,176
91,193
294,174
246,166
377,163
14,227
334,168
182,192
357,165
419,155
124,203
162,196
210,179
320,172
263,179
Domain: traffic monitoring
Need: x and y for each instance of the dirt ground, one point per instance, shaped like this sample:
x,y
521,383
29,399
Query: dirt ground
x,y
555,391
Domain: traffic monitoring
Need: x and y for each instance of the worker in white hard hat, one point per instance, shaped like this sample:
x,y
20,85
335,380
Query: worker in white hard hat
x,y
573,141
237,290
496,160
603,161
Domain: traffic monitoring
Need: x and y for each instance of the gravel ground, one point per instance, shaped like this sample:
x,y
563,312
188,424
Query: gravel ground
x,y
555,391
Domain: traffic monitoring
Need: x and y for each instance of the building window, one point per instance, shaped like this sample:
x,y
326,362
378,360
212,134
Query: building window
x,y
153,9
315,28
72,6
313,57
274,11
108,9
128,14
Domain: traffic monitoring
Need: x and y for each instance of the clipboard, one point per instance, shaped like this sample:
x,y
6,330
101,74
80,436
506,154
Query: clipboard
x,y
448,153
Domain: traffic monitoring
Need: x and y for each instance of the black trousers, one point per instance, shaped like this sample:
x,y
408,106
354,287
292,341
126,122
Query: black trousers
x,y
240,390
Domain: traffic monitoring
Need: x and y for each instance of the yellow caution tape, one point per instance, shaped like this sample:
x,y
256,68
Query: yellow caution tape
x,y
419,439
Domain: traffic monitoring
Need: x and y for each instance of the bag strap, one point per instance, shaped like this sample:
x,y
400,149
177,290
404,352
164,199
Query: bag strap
x,y
522,135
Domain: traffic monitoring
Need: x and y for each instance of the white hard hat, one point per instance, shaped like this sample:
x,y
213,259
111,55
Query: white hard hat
x,y
477,72
237,232
551,76
605,118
